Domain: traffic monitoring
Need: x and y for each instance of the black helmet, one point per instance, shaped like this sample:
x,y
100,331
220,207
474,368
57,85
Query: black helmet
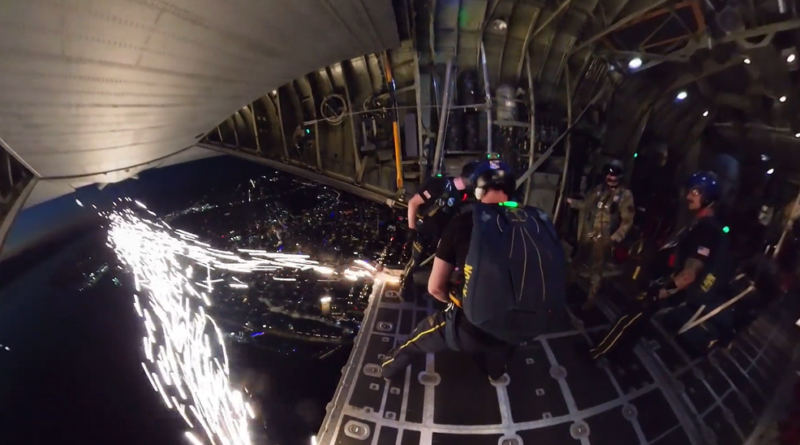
x,y
613,168
493,175
468,170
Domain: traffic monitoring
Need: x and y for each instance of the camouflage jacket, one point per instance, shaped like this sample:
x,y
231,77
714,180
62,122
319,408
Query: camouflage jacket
x,y
607,213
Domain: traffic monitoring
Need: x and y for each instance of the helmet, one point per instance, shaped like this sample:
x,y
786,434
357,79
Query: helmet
x,y
493,175
468,170
705,182
613,168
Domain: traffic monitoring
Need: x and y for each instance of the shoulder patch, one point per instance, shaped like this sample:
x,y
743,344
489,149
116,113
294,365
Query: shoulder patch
x,y
703,251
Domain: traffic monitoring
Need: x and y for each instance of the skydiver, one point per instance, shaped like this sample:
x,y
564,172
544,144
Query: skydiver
x,y
429,211
609,213
526,268
695,262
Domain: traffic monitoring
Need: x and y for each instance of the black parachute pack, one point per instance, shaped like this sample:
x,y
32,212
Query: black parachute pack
x,y
515,272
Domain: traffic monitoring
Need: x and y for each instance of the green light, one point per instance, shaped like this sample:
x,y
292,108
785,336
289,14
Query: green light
x,y
636,155
726,229
308,131
438,175
509,204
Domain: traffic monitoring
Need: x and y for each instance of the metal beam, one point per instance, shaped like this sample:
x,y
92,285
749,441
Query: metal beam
x,y
563,187
532,132
423,165
277,104
619,24
328,178
235,131
255,127
398,156
710,67
19,202
316,145
488,91
683,55
549,151
786,228
16,156
528,36
356,157
532,35
445,110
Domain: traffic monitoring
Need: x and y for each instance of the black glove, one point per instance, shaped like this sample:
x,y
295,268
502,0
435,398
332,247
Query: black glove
x,y
411,236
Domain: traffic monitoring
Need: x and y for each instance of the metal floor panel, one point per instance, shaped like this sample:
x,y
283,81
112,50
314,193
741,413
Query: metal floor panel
x,y
553,395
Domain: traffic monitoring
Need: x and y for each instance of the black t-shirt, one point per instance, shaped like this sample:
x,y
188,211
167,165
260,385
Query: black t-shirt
x,y
441,194
703,242
454,245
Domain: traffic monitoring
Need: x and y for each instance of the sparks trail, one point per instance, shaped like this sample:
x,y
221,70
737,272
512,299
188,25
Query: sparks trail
x,y
185,357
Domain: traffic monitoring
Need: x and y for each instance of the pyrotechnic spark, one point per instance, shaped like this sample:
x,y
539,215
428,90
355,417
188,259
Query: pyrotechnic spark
x,y
184,349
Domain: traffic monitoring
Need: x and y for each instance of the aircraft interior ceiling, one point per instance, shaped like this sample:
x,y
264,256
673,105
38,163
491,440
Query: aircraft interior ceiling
x,y
95,92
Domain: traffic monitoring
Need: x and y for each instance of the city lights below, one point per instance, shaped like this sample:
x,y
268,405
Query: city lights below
x,y
78,201
747,61
782,99
635,63
682,95
791,58
797,135
705,113
186,360
770,171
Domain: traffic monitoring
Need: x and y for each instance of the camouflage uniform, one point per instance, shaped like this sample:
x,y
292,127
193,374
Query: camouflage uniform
x,y
607,217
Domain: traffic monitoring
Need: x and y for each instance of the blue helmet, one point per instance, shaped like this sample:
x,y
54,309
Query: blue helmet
x,y
705,182
493,174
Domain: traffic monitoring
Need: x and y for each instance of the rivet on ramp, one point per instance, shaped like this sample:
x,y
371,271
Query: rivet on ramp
x,y
427,378
502,381
373,370
510,440
356,430
579,430
558,372
384,326
629,412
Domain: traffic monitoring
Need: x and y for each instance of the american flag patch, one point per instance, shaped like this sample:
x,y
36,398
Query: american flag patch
x,y
427,194
703,251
